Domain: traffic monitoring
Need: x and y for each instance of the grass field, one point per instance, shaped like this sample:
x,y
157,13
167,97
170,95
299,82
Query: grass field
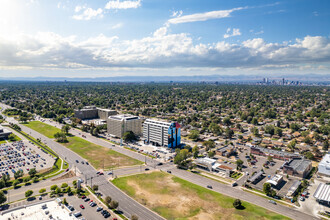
x,y
175,198
96,154
43,128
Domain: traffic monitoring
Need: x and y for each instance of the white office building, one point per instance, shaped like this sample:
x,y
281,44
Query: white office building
x,y
119,124
161,133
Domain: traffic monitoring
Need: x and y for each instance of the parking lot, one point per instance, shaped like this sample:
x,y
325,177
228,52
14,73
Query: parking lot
x,y
88,212
23,155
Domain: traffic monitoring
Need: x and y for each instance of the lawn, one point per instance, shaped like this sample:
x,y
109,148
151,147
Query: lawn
x,y
175,198
43,128
97,155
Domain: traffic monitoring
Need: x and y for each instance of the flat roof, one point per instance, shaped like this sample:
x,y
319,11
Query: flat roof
x,y
157,122
205,160
299,164
275,179
124,117
275,152
294,187
256,176
322,192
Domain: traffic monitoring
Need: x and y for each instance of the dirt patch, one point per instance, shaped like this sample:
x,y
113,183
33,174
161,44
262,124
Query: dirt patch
x,y
65,176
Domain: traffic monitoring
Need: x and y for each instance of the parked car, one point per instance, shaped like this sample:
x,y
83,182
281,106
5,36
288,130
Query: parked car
x,y
99,209
81,206
146,169
209,186
169,171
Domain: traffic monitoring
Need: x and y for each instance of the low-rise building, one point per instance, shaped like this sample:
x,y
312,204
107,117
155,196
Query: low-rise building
x,y
205,163
92,112
322,194
4,133
280,155
256,177
293,189
324,166
275,180
298,167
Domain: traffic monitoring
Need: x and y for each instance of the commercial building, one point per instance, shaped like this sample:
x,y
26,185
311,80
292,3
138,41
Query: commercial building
x,y
322,194
162,133
293,189
275,180
280,155
88,112
205,163
4,133
298,167
92,112
256,177
117,125
324,166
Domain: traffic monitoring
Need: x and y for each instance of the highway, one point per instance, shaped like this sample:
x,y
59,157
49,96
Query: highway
x,y
130,206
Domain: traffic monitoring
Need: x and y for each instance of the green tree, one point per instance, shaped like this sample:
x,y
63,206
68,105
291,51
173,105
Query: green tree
x,y
64,185
227,121
18,174
237,203
3,198
267,188
28,193
325,145
95,188
129,136
15,183
270,129
278,131
32,172
114,204
239,164
12,137
65,129
107,200
211,154
229,133
195,151
194,135
43,190
60,137
53,187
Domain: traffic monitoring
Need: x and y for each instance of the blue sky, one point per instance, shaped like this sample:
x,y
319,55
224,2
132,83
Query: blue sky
x,y
79,38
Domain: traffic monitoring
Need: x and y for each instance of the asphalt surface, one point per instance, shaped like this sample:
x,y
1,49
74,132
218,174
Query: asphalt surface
x,y
130,206
126,204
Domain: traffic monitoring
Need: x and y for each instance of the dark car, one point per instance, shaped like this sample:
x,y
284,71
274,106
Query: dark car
x,y
83,197
209,186
146,169
169,171
77,161
86,200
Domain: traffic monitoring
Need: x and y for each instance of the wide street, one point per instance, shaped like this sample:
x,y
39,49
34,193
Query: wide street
x,y
130,206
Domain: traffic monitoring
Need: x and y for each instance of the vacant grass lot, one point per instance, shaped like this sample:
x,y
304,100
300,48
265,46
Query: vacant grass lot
x,y
96,154
42,128
175,198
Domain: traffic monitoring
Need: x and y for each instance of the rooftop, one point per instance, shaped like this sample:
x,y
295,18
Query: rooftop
x,y
324,165
322,192
123,117
275,179
299,164
274,152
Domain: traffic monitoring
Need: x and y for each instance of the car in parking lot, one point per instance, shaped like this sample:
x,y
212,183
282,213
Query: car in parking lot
x,y
87,163
77,161
86,200
99,209
81,206
77,214
83,197
71,208
82,162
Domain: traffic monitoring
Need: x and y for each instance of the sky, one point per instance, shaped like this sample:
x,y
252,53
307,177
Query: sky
x,y
98,38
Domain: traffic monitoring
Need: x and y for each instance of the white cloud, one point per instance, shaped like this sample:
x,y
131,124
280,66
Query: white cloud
x,y
203,16
159,50
122,4
87,13
177,13
235,32
116,26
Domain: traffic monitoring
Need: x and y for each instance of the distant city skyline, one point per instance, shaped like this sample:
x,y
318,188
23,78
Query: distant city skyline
x,y
84,38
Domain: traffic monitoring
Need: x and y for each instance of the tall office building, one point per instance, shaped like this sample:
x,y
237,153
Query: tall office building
x,y
162,133
119,124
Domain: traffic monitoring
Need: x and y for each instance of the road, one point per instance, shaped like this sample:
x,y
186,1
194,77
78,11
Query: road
x,y
130,206
127,205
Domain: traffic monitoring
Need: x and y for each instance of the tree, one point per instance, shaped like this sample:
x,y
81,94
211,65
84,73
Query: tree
x,y
267,188
12,137
65,202
237,203
211,154
2,184
64,185
194,135
129,136
68,190
325,145
270,158
95,188
239,164
3,198
309,155
60,137
74,183
58,190
180,157
114,204
209,144
65,129
134,217
107,200
254,121
53,187
227,121
270,129
15,182
229,133
278,131
18,174
195,151
41,191
28,193
32,172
